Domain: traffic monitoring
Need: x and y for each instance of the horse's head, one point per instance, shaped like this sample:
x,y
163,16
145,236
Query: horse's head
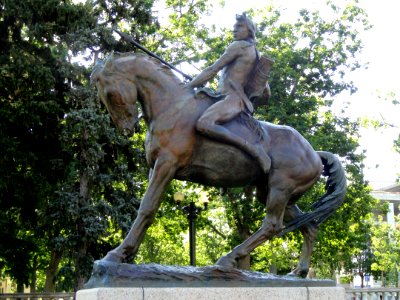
x,y
118,93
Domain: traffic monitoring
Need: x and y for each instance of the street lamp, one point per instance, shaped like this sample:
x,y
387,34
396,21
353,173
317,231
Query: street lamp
x,y
191,211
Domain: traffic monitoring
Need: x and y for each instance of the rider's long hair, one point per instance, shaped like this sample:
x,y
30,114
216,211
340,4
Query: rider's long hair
x,y
249,23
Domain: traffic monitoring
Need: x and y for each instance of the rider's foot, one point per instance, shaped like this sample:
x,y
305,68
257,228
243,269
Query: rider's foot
x,y
299,272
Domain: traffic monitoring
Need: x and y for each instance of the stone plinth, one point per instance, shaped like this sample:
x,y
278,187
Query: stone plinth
x,y
115,281
109,274
213,293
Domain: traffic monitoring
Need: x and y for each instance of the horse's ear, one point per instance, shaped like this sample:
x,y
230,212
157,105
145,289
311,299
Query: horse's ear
x,y
96,69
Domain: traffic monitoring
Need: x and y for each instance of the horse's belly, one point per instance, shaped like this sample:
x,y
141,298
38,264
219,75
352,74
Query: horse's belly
x,y
220,165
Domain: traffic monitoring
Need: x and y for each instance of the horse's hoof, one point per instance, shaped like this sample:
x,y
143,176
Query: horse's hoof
x,y
298,273
225,261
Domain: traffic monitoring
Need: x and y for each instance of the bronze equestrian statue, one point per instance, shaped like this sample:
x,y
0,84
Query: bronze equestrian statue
x,y
175,149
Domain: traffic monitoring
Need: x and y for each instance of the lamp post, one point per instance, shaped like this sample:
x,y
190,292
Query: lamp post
x,y
191,211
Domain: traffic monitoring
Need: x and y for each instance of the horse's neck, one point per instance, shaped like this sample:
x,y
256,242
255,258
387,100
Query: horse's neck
x,y
160,94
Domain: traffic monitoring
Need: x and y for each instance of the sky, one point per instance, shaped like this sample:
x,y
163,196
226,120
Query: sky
x,y
382,52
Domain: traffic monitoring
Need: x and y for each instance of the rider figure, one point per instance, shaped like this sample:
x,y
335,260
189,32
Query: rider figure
x,y
236,64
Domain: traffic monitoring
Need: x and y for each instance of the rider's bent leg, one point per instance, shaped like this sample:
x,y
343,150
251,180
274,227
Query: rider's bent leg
x,y
207,125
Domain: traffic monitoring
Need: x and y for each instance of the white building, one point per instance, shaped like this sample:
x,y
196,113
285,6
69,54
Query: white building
x,y
390,195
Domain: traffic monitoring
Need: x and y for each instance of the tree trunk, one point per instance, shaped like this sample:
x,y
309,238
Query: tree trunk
x,y
362,279
20,288
244,230
273,269
33,278
81,252
80,272
51,271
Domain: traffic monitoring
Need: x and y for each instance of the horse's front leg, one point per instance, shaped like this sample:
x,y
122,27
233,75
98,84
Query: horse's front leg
x,y
162,174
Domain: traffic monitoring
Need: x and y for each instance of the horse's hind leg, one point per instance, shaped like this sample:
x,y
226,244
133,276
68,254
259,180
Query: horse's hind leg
x,y
309,232
272,224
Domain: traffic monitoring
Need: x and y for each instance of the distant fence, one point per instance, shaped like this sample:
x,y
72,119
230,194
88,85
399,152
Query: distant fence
x,y
38,296
373,294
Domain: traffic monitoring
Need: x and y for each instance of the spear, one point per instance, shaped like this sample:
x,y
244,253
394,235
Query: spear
x,y
136,44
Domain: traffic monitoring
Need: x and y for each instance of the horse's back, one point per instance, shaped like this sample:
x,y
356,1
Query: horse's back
x,y
295,163
288,142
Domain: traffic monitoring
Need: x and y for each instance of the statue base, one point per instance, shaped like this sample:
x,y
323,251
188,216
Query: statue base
x,y
217,293
157,282
109,274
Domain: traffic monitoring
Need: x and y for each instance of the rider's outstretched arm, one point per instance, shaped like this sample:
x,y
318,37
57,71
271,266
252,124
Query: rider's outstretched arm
x,y
207,74
230,54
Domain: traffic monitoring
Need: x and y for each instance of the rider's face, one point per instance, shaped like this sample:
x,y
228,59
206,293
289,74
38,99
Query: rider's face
x,y
240,31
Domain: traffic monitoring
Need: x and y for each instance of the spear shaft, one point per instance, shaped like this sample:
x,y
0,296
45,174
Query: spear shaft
x,y
136,44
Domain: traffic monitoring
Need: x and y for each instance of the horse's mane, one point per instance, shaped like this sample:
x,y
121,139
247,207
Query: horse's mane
x,y
165,69
111,67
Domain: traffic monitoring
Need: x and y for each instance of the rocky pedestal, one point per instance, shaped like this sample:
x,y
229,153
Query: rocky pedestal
x,y
142,282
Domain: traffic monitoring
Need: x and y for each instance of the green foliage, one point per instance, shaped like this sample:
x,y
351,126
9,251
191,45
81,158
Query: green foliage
x,y
99,188
164,241
278,255
67,187
32,85
181,38
397,144
385,247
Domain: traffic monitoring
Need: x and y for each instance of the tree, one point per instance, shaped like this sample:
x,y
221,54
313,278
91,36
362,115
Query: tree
x,y
385,247
60,156
98,198
32,87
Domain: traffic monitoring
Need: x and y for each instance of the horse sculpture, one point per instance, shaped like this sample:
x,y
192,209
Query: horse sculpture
x,y
175,150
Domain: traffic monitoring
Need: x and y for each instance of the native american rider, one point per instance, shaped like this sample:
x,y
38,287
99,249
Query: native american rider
x,y
237,64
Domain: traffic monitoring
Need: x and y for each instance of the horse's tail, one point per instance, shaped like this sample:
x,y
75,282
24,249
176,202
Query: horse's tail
x,y
332,199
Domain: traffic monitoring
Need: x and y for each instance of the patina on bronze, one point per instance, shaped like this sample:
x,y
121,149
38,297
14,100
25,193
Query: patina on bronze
x,y
175,149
